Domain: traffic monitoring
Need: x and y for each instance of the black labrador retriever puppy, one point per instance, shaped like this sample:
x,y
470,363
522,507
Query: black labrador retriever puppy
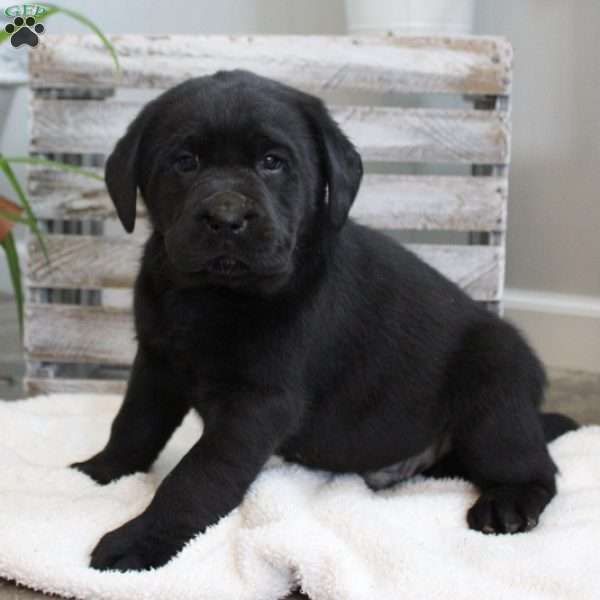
x,y
294,331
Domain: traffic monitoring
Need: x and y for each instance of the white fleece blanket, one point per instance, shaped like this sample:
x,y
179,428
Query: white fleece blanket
x,y
330,536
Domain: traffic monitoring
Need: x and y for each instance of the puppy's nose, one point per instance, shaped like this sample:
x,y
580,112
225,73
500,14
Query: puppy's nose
x,y
225,213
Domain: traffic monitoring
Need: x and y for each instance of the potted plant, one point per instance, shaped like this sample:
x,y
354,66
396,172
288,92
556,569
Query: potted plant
x,y
18,210
422,17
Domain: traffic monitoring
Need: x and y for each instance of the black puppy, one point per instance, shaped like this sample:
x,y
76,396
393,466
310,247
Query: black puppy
x,y
295,333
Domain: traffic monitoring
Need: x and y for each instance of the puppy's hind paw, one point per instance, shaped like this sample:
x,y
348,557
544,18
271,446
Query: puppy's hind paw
x,y
508,508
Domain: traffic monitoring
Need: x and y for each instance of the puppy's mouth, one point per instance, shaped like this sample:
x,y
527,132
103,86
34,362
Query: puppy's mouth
x,y
226,266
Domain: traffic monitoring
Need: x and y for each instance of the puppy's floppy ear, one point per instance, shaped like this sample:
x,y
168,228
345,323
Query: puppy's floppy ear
x,y
343,165
121,171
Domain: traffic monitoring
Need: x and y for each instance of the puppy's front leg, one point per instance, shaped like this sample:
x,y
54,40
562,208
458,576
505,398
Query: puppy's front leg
x,y
152,409
208,483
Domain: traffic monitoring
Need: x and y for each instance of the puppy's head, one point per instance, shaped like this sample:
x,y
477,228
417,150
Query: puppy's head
x,y
236,171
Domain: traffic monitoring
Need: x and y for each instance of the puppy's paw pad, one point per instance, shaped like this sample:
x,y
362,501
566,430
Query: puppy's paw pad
x,y
508,509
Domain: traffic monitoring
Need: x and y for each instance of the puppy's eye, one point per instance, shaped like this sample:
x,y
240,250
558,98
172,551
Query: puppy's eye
x,y
186,163
270,162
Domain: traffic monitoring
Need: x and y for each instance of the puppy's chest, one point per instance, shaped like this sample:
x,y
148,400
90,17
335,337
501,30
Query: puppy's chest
x,y
210,340
203,344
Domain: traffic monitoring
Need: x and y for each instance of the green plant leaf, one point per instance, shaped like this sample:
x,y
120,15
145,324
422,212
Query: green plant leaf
x,y
91,25
32,220
53,164
12,259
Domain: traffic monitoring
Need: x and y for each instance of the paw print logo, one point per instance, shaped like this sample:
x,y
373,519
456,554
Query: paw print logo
x,y
24,31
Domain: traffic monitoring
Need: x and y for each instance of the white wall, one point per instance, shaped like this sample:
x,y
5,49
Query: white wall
x,y
554,219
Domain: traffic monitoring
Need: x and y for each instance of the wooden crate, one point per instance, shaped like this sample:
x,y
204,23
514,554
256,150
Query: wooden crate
x,y
430,116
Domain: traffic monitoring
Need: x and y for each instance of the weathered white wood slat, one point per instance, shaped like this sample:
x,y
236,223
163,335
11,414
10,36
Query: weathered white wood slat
x,y
79,334
67,195
380,133
479,270
53,385
384,201
384,64
432,203
79,261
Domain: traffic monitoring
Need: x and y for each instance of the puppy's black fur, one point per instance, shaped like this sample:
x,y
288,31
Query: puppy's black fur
x,y
294,332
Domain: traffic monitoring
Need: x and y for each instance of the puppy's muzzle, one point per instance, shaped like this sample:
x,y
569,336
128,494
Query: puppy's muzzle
x,y
226,214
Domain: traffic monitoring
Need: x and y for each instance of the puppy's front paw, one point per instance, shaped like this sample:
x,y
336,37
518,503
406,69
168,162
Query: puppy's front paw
x,y
508,509
132,547
101,470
